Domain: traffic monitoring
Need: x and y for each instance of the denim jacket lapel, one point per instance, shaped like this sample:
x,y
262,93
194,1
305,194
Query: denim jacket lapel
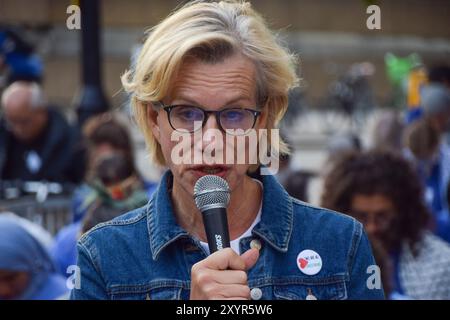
x,y
276,222
162,226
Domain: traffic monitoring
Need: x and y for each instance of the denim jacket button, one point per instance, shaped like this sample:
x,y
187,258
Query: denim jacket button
x,y
310,295
255,244
256,293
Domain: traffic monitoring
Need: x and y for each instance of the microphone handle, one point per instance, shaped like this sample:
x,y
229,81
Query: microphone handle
x,y
216,228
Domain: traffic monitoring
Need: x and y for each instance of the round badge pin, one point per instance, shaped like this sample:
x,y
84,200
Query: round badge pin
x,y
309,262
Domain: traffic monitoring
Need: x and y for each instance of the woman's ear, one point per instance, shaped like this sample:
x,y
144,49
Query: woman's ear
x,y
152,118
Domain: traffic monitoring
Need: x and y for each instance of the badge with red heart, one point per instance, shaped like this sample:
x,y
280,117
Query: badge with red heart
x,y
303,263
309,262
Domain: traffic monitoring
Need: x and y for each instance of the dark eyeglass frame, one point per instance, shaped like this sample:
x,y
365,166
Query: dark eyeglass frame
x,y
382,220
206,113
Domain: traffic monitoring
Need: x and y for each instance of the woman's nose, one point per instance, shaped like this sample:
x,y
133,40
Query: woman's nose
x,y
371,228
211,122
211,131
212,140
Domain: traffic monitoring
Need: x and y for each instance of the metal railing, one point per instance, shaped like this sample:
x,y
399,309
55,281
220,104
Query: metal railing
x,y
47,204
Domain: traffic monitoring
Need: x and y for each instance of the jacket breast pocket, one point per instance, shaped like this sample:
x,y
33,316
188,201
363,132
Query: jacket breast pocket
x,y
321,289
150,292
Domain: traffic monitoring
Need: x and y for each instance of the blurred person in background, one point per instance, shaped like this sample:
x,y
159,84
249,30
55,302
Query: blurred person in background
x,y
295,181
384,262
443,219
339,145
381,190
18,59
115,189
36,142
436,106
427,148
36,230
27,271
104,135
423,150
440,74
387,132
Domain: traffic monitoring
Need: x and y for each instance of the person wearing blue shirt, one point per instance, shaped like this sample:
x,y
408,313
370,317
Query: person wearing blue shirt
x,y
18,56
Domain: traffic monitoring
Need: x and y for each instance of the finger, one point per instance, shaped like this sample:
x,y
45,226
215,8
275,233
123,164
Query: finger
x,y
250,257
224,259
231,291
229,276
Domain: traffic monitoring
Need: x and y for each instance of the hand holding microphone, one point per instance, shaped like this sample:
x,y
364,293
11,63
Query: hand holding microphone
x,y
223,274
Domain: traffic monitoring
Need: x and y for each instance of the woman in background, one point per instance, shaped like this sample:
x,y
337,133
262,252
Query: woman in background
x,y
383,192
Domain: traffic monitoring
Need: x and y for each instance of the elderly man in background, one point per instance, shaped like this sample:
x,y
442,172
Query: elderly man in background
x,y
36,142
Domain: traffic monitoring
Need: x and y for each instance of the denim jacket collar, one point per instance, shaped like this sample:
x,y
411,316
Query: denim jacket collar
x,y
275,226
276,222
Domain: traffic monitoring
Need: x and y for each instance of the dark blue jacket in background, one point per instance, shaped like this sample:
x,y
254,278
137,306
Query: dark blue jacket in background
x,y
59,147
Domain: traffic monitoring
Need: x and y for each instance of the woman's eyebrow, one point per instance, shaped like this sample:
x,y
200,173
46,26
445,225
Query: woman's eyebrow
x,y
194,103
186,101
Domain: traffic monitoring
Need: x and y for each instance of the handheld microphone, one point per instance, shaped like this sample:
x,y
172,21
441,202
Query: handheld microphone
x,y
212,195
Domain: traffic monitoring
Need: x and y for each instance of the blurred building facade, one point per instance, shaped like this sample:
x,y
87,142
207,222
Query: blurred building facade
x,y
328,35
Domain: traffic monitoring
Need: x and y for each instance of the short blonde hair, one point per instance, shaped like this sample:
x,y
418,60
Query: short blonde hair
x,y
210,31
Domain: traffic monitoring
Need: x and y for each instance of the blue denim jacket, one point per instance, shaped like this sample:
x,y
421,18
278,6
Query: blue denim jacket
x,y
145,254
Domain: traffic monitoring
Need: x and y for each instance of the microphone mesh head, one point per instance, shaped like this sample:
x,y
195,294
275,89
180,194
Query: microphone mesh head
x,y
211,191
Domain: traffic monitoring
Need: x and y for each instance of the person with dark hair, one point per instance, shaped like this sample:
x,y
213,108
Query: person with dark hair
x,y
381,190
104,135
115,189
117,183
440,74
111,181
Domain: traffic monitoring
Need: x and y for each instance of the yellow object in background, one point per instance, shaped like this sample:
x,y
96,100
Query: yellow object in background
x,y
417,78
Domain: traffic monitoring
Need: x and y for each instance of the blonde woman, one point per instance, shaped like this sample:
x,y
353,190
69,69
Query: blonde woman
x,y
218,64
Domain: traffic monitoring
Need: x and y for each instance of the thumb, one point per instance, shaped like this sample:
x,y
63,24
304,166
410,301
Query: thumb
x,y
250,257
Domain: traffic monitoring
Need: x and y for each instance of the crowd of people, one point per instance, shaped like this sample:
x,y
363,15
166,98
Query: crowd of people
x,y
39,144
400,191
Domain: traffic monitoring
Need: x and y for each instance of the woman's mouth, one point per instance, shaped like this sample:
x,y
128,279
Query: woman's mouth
x,y
216,170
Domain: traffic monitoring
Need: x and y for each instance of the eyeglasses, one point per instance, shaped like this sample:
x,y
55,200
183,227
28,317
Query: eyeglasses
x,y
381,219
234,121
